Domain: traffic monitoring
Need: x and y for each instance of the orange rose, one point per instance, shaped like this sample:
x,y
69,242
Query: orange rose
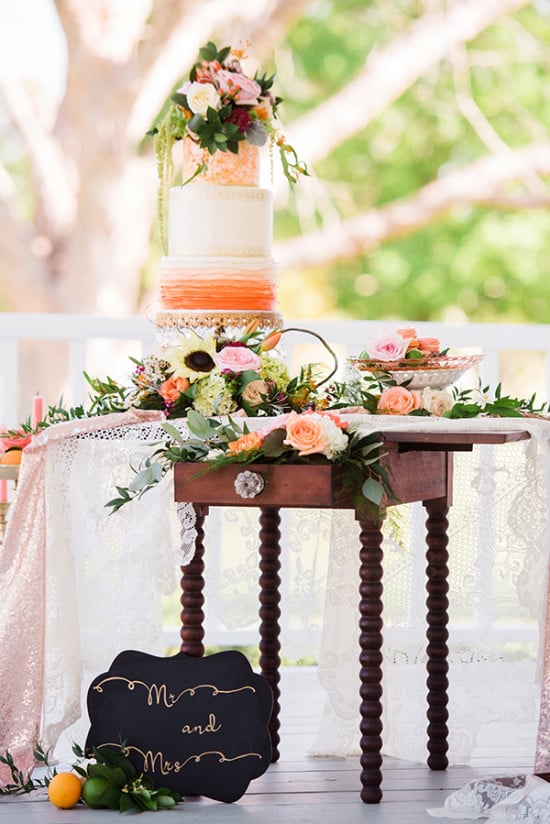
x,y
429,345
246,443
397,400
306,434
171,389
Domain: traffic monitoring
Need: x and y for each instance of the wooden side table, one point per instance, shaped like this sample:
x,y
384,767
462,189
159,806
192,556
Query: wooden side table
x,y
421,469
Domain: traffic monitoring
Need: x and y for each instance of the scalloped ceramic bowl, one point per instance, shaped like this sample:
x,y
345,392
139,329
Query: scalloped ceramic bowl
x,y
436,372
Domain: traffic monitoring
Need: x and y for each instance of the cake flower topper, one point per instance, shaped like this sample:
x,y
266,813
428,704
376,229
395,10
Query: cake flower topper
x,y
218,107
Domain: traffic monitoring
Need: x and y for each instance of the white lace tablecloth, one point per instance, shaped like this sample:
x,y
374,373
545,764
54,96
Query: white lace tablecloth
x,y
105,576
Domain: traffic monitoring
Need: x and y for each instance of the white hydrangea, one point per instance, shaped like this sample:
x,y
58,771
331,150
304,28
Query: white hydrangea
x,y
337,440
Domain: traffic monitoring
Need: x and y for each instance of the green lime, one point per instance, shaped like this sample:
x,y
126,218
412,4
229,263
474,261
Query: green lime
x,y
166,801
99,793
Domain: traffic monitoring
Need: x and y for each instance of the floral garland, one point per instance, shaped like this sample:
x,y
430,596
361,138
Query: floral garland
x,y
212,378
310,437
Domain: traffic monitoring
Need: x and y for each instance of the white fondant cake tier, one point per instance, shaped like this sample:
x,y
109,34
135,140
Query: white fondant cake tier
x,y
214,283
213,221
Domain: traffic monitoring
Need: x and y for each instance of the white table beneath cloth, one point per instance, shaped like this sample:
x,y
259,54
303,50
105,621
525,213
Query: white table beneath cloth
x,y
79,585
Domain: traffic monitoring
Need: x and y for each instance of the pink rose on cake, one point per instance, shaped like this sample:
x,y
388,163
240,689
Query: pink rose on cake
x,y
243,90
201,97
237,359
388,347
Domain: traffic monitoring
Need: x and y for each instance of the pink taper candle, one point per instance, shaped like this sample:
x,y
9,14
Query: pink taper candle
x,y
3,491
37,410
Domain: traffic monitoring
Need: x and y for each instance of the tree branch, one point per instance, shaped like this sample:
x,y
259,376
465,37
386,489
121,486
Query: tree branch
x,y
388,73
483,182
55,196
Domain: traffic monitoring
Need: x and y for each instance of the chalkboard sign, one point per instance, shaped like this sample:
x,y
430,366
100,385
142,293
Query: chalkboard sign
x,y
195,725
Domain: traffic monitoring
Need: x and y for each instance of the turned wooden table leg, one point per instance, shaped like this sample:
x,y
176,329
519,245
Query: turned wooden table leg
x,y
192,597
370,640
437,634
270,613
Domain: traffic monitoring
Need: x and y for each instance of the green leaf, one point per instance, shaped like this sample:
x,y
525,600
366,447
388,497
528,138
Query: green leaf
x,y
127,804
173,431
273,446
179,99
224,53
114,775
198,424
373,491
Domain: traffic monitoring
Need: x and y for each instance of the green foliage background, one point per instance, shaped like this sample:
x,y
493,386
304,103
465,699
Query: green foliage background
x,y
479,264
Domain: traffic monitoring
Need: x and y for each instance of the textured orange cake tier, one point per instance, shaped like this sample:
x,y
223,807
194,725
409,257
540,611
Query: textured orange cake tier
x,y
190,288
222,168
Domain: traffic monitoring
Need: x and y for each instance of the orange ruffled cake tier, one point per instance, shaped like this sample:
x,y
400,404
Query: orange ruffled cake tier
x,y
216,288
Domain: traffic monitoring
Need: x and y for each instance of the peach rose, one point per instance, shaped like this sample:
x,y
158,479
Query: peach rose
x,y
306,434
253,391
237,359
429,345
336,419
172,388
246,443
397,400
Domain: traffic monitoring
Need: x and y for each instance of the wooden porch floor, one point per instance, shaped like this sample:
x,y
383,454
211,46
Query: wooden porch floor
x,y
299,788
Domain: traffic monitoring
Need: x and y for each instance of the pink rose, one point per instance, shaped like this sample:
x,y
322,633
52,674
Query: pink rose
x,y
389,347
237,359
306,433
397,400
244,90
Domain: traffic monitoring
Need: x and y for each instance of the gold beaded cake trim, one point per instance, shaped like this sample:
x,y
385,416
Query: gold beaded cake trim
x,y
193,320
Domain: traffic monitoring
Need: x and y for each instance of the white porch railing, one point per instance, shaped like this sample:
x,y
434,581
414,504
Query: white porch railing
x,y
516,354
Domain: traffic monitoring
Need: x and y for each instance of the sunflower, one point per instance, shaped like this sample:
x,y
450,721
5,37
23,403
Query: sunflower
x,y
193,357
